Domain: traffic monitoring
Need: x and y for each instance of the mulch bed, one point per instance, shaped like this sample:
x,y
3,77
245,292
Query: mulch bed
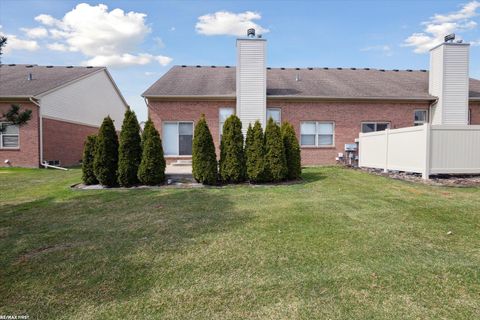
x,y
438,180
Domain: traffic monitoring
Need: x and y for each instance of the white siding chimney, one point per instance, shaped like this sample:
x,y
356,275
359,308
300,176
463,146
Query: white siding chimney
x,y
449,81
251,81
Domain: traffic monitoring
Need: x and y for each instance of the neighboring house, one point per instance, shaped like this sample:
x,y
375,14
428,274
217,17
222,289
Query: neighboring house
x,y
68,103
328,107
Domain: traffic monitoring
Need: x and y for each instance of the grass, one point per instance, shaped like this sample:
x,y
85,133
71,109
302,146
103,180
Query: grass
x,y
341,245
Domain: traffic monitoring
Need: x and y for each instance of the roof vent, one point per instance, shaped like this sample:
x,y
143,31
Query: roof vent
x,y
89,67
251,33
310,68
396,70
12,65
269,68
69,67
29,66
366,68
423,70
49,67
212,66
353,68
30,77
325,68
297,68
227,67
282,68
184,66
198,66
409,70
297,77
381,70
339,68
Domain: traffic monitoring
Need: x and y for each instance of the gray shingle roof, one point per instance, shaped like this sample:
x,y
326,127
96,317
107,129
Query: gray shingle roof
x,y
14,78
312,82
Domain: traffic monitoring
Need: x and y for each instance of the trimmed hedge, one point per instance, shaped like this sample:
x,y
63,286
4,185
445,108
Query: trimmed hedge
x,y
275,161
292,151
88,175
255,153
204,159
129,151
232,159
152,167
105,162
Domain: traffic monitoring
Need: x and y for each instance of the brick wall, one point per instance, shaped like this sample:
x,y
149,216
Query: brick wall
x,y
27,155
475,113
160,111
347,117
64,141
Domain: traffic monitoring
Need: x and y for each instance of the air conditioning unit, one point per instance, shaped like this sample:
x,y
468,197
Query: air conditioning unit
x,y
350,147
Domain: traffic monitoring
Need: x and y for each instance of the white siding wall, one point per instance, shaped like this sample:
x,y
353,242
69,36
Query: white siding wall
x,y
251,81
86,101
448,81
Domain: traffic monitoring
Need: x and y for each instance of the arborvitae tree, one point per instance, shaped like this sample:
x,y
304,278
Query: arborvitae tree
x,y
88,176
232,159
129,151
152,168
105,163
255,153
275,161
204,160
292,151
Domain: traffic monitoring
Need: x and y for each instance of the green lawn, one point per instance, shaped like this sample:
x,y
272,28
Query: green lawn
x,y
341,245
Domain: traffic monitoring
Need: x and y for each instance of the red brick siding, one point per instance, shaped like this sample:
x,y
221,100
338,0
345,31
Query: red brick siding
x,y
347,117
160,111
64,141
475,113
27,155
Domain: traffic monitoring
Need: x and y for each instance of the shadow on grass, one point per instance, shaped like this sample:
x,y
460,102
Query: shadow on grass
x,y
100,247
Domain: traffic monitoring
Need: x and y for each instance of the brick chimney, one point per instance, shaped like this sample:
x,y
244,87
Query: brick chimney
x,y
251,79
449,81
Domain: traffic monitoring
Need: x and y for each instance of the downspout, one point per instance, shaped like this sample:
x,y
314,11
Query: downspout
x,y
148,111
40,126
430,110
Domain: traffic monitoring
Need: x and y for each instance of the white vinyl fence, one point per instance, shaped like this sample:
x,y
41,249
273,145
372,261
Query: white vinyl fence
x,y
426,149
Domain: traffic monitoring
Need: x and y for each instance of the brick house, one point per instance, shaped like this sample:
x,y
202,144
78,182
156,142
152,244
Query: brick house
x,y
328,107
68,103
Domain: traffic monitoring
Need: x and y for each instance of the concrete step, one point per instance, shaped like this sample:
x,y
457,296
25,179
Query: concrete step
x,y
186,162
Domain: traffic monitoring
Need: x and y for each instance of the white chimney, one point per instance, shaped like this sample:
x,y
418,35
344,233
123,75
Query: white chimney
x,y
449,81
251,80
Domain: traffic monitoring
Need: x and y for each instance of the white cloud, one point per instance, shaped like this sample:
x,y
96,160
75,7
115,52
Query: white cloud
x,y
385,49
106,37
127,59
229,23
39,32
149,73
14,43
440,25
57,47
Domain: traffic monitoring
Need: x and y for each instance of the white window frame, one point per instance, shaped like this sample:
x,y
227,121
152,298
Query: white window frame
x,y
317,133
2,134
277,109
220,123
375,123
178,137
419,123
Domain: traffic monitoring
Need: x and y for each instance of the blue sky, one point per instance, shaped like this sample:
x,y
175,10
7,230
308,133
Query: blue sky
x,y
143,39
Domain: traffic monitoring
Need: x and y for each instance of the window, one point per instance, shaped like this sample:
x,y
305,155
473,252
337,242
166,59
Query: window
x,y
177,138
275,114
9,136
317,134
223,114
374,126
420,117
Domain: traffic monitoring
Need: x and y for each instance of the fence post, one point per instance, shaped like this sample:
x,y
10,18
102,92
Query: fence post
x,y
387,132
426,168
